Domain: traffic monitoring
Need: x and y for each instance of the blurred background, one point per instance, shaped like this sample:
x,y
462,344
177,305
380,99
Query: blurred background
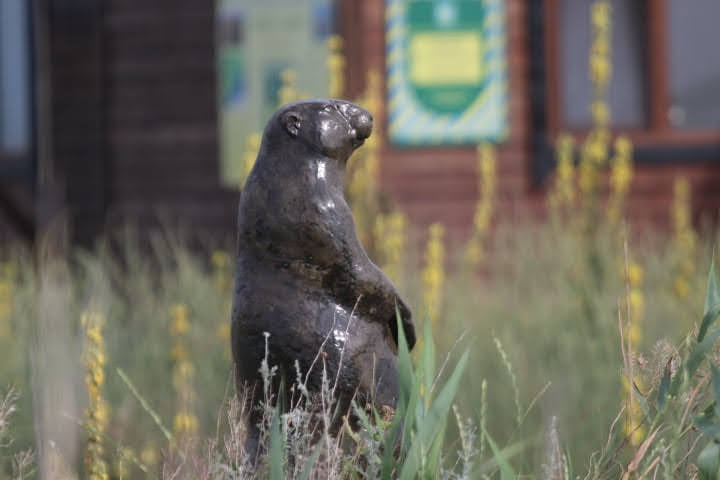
x,y
542,184
119,110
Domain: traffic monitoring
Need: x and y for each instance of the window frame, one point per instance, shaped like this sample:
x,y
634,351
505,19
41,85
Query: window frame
x,y
656,143
22,166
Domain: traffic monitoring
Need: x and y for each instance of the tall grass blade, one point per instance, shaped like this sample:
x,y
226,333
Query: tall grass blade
x,y
708,319
406,377
145,405
434,457
388,462
434,423
708,462
506,471
712,301
310,464
408,391
275,454
664,387
428,370
716,386
701,350
491,465
641,401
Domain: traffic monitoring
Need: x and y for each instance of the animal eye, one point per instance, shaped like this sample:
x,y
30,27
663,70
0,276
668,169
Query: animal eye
x,y
328,108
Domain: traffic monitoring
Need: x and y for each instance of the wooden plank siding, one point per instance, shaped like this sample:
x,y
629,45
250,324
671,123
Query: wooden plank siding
x,y
161,116
75,54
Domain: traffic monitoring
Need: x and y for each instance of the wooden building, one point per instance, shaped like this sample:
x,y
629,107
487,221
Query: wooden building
x,y
108,112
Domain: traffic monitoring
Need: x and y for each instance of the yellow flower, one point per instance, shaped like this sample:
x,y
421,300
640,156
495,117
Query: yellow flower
x,y
97,375
223,332
100,413
635,274
681,287
600,15
638,436
186,369
178,353
220,259
185,423
149,455
635,334
637,304
180,324
335,42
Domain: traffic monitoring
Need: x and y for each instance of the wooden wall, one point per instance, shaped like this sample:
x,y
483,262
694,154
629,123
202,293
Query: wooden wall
x,y
134,118
162,122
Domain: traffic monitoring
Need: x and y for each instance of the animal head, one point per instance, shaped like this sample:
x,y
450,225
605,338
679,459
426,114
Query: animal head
x,y
333,128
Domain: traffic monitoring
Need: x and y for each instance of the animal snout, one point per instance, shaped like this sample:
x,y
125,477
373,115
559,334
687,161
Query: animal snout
x,y
359,118
362,122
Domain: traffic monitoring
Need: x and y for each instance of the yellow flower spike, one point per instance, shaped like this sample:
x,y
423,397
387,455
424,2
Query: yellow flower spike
x,y
434,271
620,178
390,238
635,274
98,411
563,194
487,179
684,240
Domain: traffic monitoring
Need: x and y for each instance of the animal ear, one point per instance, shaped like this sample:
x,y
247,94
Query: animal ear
x,y
292,121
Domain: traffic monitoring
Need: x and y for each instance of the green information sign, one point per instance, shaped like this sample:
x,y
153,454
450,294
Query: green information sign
x,y
446,71
259,41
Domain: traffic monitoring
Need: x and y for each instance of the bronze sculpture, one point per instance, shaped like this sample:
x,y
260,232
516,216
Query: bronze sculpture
x,y
302,274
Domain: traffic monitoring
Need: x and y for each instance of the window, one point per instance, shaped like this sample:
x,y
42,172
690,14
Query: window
x,y
15,88
694,64
665,87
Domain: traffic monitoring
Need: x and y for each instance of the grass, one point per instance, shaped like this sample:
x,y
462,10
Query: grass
x,y
520,376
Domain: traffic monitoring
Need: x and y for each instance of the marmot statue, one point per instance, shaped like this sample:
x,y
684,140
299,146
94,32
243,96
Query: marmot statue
x,y
302,275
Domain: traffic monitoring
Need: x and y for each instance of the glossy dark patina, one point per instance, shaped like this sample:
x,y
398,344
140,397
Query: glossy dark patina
x,y
302,274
